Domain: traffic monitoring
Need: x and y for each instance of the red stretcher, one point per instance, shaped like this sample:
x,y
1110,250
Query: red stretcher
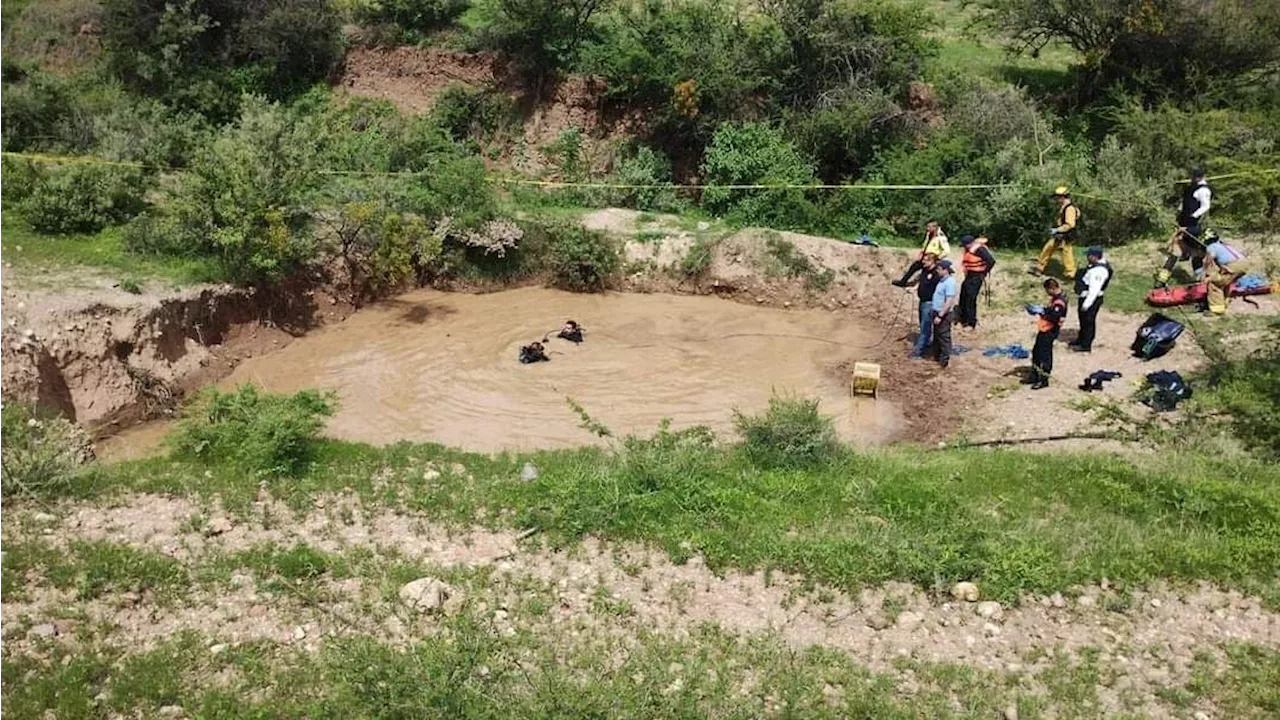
x,y
1186,294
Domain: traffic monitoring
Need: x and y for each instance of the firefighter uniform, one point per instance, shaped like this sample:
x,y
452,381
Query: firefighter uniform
x,y
1062,237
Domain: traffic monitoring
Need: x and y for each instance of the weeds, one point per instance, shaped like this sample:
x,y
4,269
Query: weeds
x,y
791,433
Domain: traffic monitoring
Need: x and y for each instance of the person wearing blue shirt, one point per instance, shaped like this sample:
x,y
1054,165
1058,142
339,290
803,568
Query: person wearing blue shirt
x,y
1224,265
944,305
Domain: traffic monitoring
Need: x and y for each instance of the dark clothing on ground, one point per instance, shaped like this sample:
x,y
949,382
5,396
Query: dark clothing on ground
x,y
969,291
1088,324
530,354
942,338
574,335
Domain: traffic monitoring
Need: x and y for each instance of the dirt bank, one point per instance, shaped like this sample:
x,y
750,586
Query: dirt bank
x,y
106,358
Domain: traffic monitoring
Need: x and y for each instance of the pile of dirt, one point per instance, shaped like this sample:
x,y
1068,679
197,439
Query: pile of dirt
x,y
412,78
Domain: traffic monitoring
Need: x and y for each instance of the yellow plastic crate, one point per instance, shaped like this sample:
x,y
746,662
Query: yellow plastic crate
x,y
865,380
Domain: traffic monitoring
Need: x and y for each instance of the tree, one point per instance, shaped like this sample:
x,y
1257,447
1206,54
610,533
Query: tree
x,y
543,36
1176,49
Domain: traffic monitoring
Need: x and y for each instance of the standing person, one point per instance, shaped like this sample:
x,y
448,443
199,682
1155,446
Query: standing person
x,y
1061,236
943,304
935,243
1048,324
977,262
1224,265
927,283
1090,286
1193,219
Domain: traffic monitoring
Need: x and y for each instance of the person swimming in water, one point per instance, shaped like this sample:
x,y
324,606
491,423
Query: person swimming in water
x,y
571,331
533,353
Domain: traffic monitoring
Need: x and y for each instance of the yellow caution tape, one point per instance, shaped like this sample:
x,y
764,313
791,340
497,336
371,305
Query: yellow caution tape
x,y
90,160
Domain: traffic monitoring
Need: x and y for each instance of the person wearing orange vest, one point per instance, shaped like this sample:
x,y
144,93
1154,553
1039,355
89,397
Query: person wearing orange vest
x,y
1048,324
977,262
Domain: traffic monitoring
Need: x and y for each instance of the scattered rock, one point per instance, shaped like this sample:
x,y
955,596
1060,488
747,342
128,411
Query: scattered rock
x,y
878,622
990,629
299,633
426,594
460,470
431,474
1011,713
1056,600
43,517
218,526
966,591
218,649
990,610
171,711
1155,602
45,630
1086,601
909,620
1201,715
529,472
703,225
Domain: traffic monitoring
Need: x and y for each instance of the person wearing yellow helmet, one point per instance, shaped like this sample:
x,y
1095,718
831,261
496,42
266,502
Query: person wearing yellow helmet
x,y
1061,236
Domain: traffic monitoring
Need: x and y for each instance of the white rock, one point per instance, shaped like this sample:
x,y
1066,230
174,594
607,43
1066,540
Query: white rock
x,y
218,526
171,711
431,474
1056,600
1011,713
43,517
966,591
909,620
529,472
990,610
877,621
43,630
1086,601
299,633
703,225
218,649
990,629
1201,715
1156,603
425,594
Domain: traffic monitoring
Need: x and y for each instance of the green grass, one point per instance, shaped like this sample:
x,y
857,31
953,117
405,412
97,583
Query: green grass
x,y
1016,522
92,569
103,251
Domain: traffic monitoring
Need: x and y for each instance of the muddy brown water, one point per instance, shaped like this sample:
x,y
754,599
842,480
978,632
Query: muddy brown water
x,y
433,366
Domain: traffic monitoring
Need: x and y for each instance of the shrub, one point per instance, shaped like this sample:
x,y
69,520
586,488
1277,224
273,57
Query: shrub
x,y
202,55
377,245
417,17
697,261
791,433
84,198
474,114
21,177
40,453
258,432
644,166
246,197
542,36
581,260
1247,393
757,154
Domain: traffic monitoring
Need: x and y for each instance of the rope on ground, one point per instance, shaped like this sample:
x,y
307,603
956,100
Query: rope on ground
x,y
1041,439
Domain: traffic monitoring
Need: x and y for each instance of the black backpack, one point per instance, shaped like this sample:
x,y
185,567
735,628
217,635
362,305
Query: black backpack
x,y
1156,337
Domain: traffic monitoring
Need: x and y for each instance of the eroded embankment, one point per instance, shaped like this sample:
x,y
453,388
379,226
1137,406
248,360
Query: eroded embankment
x,y
107,362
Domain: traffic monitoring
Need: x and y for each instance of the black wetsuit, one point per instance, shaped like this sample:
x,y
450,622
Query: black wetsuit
x,y
530,354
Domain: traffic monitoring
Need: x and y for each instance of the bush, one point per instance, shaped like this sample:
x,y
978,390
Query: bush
x,y
757,154
643,165
40,453
1247,393
257,432
417,17
377,245
246,197
581,260
475,114
791,433
202,55
84,198
542,36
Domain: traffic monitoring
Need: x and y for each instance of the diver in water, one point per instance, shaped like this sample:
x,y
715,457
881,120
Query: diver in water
x,y
533,353
571,331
